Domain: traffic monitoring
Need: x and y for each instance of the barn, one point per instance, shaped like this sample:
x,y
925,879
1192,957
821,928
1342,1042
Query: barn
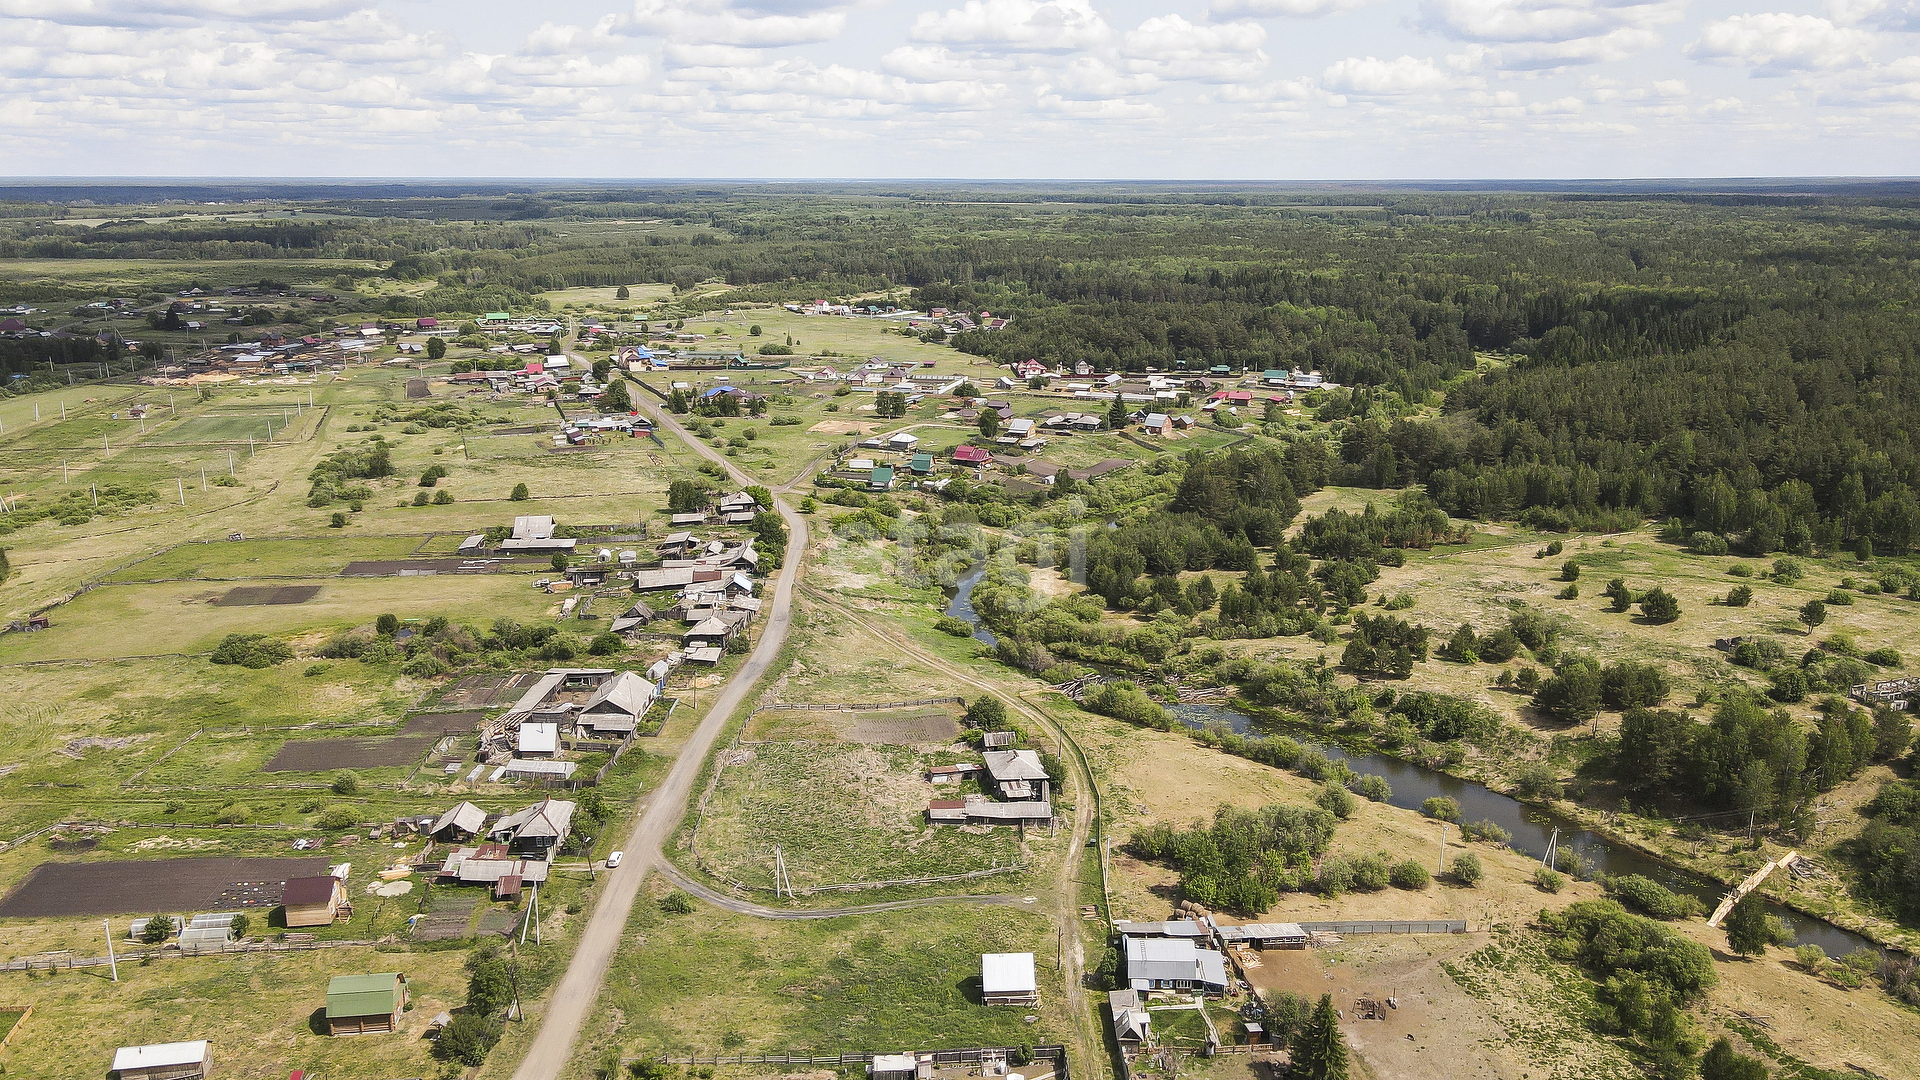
x,y
361,1004
313,901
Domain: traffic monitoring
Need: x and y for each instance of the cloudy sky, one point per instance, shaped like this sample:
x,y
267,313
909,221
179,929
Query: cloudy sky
x,y
1279,89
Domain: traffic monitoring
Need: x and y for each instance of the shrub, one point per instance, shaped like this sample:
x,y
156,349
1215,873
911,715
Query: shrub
x,y
1467,870
157,930
519,493
1335,878
421,498
947,624
1759,654
1649,897
1740,570
1813,613
1883,657
677,903
467,1039
1839,598
1484,829
345,783
336,819
443,498
1336,800
1549,880
251,651
386,625
1371,873
1441,808
1410,874
605,644
1570,570
337,521
1571,592
1536,780
1788,571
1371,787
1739,596
1631,685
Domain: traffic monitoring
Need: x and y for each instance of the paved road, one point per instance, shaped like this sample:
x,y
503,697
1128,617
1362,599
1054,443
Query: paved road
x,y
579,988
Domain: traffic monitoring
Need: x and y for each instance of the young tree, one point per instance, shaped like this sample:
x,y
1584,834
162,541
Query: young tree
x,y
387,625
1749,929
519,493
1621,596
1739,596
990,423
621,293
1813,613
158,928
986,713
754,330
467,1040
489,985
1467,869
558,562
436,348
686,496
1117,414
1660,606
615,397
1319,1051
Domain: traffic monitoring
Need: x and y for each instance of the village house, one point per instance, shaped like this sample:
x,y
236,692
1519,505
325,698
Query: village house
x,y
463,822
1017,774
1159,963
536,831
534,533
616,708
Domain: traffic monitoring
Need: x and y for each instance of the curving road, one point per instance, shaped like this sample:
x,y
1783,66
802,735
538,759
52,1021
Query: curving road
x,y
578,989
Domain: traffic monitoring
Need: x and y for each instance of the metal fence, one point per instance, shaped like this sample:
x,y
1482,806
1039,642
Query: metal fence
x,y
1417,926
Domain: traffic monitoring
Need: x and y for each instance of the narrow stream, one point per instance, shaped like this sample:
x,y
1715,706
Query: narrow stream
x,y
1531,826
961,606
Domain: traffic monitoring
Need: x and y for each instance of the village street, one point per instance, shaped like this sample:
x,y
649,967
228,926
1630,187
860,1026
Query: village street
x,y
578,989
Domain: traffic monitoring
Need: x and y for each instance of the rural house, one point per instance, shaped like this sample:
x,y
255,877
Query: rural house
x,y
534,534
1132,1026
1155,963
1017,774
536,831
164,1061
313,901
463,822
616,708
361,1004
1007,979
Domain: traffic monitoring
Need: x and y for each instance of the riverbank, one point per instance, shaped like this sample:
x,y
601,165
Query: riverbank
x,y
1595,835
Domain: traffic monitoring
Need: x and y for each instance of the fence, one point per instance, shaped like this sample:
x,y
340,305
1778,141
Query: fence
x,y
1053,1055
54,961
20,1014
950,700
1428,926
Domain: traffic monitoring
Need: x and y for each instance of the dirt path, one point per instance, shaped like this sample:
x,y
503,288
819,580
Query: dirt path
x,y
760,911
578,989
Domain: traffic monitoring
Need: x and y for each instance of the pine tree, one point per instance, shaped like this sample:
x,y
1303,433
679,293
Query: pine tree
x,y
1319,1052
1117,414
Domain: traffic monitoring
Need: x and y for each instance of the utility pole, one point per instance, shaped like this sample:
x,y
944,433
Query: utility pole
x,y
183,490
111,959
95,489
1553,849
229,463
1443,850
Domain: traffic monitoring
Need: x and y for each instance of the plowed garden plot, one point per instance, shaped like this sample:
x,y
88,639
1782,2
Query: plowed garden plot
x,y
448,919
262,595
324,755
133,886
486,689
442,723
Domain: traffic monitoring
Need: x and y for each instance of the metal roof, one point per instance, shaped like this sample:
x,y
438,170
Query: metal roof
x,y
546,818
464,816
626,694
539,738
1014,765
363,995
160,1055
1007,973
1173,960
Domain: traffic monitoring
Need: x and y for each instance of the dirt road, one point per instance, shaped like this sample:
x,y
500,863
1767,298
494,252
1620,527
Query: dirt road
x,y
579,988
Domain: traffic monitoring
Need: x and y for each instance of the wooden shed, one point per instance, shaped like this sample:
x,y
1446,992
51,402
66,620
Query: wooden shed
x,y
358,1004
313,901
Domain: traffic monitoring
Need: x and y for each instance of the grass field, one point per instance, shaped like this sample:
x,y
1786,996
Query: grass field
x,y
842,813
714,982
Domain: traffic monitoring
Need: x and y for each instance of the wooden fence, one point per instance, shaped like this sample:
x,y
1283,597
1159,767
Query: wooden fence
x,y
57,961
1388,926
24,1011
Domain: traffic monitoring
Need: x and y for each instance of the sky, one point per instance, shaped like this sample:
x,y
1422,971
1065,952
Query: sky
x,y
1013,89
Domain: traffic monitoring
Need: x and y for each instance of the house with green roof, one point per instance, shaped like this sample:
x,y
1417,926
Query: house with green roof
x,y
881,479
922,464
359,1004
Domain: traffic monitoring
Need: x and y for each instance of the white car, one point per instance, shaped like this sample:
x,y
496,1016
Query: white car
x,y
613,860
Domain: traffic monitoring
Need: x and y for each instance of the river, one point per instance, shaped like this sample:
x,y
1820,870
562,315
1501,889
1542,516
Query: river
x,y
1531,826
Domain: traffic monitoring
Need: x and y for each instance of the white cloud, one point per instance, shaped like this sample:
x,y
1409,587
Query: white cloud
x,y
1898,15
171,12
1020,25
714,22
1548,34
934,63
1776,43
1298,9
1406,76
1173,48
